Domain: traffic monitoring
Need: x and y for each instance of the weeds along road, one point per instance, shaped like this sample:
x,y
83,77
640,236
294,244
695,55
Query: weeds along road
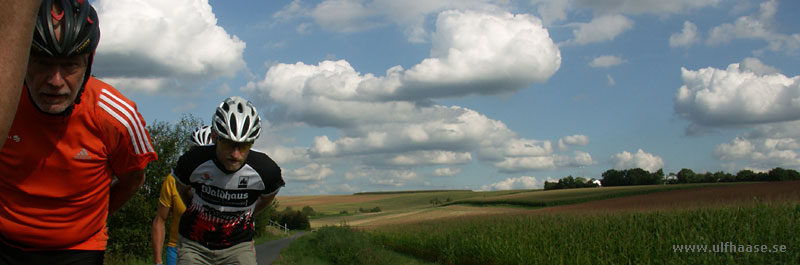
x,y
268,252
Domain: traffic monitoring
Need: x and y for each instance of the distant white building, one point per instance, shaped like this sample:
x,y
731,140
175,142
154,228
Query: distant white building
x,y
597,181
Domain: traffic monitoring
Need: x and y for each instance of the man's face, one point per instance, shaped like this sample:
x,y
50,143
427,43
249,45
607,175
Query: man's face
x,y
54,82
232,154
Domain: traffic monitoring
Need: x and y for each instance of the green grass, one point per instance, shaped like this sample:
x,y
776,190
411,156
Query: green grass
x,y
340,245
550,198
127,259
112,259
618,238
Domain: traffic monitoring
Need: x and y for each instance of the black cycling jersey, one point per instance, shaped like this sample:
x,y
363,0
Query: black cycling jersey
x,y
220,214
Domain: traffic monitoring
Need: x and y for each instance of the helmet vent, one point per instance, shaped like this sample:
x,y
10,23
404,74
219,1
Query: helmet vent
x,y
246,124
255,133
234,128
219,126
240,108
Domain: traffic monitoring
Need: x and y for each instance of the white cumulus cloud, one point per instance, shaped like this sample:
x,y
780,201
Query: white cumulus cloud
x,y
578,139
150,45
738,95
347,16
685,38
601,29
640,159
310,172
760,26
636,7
524,182
765,146
606,61
517,47
446,171
736,149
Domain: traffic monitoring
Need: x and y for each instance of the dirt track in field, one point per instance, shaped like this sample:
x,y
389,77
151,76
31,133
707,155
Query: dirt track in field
x,y
769,192
426,214
300,201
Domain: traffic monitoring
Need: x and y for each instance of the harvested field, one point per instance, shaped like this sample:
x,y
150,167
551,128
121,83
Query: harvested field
x,y
373,220
300,201
769,192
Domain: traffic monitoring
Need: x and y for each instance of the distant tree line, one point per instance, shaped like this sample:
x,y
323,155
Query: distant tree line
x,y
638,176
776,174
570,183
634,176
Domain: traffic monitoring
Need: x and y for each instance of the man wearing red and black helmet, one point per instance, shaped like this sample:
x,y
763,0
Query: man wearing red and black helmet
x,y
76,150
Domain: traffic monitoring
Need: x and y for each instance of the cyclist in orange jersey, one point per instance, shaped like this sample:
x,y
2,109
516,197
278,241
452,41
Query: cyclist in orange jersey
x,y
76,150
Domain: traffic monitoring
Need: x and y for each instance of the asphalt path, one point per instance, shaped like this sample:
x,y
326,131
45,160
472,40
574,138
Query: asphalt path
x,y
268,252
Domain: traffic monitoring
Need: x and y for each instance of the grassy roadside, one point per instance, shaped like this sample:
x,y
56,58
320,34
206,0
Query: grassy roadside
x,y
341,245
132,260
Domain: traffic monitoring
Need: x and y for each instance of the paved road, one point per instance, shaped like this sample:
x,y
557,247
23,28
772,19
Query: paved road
x,y
267,252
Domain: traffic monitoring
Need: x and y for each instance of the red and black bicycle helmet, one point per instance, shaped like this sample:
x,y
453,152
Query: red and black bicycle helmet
x,y
80,32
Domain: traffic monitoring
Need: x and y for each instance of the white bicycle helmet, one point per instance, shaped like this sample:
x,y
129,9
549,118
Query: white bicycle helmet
x,y
236,119
202,135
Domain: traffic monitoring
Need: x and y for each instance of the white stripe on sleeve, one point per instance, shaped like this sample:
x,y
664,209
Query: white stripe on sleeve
x,y
124,122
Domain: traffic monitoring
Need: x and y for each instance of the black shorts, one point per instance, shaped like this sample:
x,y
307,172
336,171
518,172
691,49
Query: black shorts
x,y
14,256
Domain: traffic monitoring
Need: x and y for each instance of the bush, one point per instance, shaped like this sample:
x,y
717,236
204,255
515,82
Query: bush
x,y
293,219
262,218
308,211
373,210
129,228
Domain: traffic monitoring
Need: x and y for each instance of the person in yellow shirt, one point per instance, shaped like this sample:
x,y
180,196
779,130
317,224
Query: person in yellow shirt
x,y
170,203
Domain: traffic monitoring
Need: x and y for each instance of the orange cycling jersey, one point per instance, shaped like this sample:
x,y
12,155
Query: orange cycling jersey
x,y
56,171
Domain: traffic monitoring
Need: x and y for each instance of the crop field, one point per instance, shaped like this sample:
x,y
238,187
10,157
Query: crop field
x,y
644,229
415,206
606,238
709,196
743,223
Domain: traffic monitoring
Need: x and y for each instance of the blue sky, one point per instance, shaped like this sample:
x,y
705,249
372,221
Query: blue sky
x,y
379,95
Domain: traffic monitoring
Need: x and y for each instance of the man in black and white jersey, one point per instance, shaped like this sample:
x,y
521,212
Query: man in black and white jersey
x,y
224,186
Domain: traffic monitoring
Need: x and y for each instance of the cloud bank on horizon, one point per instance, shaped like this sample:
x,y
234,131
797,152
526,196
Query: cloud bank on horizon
x,y
392,128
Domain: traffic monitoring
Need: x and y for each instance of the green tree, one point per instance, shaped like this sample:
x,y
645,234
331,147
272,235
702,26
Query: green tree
x,y
781,174
129,227
308,211
613,178
746,175
686,176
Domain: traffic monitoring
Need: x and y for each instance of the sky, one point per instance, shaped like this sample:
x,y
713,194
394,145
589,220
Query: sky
x,y
380,95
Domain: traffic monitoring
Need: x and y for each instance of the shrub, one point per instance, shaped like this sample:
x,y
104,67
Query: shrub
x,y
129,227
308,211
293,220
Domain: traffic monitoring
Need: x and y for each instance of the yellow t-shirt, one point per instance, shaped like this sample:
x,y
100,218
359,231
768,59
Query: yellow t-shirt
x,y
170,198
